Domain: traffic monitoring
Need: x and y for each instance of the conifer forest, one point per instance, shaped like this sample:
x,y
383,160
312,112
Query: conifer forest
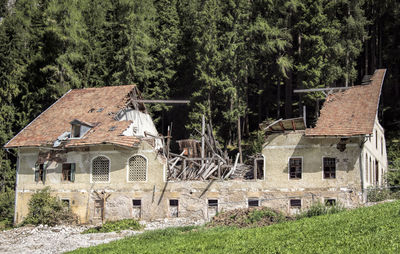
x,y
237,61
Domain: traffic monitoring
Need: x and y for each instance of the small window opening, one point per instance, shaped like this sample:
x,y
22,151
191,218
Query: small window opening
x,y
65,203
295,203
329,168
295,168
76,131
330,202
212,202
173,207
136,208
40,173
253,202
68,172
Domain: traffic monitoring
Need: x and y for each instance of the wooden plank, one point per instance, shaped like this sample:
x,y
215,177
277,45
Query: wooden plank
x,y
319,89
162,101
234,167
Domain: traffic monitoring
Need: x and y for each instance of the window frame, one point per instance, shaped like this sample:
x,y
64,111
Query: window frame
x,y
109,169
41,176
295,207
327,201
72,171
323,168
253,200
128,169
302,166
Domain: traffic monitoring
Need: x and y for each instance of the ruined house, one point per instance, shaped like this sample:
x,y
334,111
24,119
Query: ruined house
x,y
100,153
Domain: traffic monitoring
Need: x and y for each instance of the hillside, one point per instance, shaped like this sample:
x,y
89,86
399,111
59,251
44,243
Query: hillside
x,y
365,230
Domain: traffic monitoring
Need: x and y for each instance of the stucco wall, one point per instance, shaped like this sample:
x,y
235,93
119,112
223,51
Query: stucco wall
x,y
275,190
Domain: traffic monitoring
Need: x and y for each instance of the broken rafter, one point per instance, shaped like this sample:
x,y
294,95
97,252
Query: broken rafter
x,y
329,89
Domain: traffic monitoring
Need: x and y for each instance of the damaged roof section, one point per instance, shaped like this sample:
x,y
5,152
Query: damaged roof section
x,y
292,124
351,112
96,108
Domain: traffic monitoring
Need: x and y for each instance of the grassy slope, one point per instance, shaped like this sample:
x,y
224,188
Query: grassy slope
x,y
366,230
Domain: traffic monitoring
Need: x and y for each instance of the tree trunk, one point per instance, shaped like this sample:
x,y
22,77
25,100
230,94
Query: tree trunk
x,y
278,100
239,139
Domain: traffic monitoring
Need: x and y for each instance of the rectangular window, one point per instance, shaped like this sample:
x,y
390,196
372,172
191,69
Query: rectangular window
x,y
68,172
212,208
330,202
253,202
295,168
136,208
329,168
40,173
295,203
76,131
173,207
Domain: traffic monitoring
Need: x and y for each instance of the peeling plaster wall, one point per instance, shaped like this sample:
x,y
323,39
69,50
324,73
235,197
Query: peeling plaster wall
x,y
274,191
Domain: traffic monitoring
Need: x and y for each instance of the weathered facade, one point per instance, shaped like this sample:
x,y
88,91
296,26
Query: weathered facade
x,y
98,150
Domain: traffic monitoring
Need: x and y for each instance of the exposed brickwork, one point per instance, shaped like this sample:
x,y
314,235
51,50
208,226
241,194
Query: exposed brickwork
x,y
96,106
351,112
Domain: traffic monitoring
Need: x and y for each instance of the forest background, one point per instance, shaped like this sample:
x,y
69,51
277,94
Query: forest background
x,y
237,61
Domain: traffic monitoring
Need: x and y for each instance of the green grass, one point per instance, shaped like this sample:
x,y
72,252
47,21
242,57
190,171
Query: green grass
x,y
115,226
366,230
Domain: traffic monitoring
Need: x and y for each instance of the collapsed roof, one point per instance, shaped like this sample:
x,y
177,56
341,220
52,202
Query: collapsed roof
x,y
105,112
351,112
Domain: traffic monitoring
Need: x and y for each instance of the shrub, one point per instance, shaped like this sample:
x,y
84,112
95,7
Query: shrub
x,y
318,208
6,209
48,210
115,226
376,195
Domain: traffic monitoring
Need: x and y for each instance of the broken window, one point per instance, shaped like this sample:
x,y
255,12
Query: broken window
x,y
40,173
253,202
68,172
329,168
137,168
136,208
212,208
98,208
295,168
330,202
101,169
295,203
173,207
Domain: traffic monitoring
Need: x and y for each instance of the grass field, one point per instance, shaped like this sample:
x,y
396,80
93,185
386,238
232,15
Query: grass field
x,y
366,230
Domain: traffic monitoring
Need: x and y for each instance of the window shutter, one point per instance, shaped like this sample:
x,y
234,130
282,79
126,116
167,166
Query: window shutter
x,y
72,172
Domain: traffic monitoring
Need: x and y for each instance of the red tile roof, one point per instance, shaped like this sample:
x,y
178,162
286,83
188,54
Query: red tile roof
x,y
351,112
94,106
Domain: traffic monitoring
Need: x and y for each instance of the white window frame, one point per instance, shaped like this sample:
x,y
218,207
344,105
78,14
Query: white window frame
x,y
147,167
109,168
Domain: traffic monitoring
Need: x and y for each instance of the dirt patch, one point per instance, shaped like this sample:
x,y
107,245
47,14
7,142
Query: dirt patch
x,y
248,217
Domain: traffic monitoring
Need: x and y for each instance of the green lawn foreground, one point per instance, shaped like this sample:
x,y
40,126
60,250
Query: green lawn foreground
x,y
373,229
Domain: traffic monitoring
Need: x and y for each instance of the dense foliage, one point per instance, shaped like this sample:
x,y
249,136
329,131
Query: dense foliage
x,y
48,210
115,226
238,61
365,230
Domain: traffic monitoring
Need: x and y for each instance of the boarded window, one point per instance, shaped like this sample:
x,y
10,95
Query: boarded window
x,y
68,172
212,208
136,208
329,168
137,168
253,202
173,207
40,173
101,169
330,202
295,168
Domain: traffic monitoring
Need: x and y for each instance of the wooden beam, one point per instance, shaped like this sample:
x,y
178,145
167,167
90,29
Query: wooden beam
x,y
293,125
281,124
319,89
162,101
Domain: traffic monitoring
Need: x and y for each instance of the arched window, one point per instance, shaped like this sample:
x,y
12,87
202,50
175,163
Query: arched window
x,y
100,169
137,168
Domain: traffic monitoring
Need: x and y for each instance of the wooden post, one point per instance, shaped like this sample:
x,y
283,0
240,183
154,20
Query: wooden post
x,y
168,140
203,123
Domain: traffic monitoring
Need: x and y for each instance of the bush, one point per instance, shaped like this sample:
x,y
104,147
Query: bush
x,y
318,208
48,210
112,226
6,209
376,195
